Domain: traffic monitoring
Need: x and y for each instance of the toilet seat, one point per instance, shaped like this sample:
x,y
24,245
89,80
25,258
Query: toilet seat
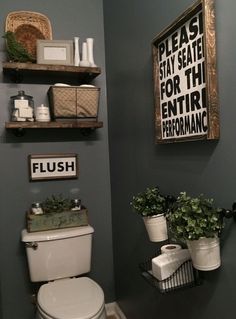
x,y
76,298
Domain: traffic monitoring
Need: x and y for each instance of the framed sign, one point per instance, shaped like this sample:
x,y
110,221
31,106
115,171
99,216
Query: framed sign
x,y
185,80
55,52
53,166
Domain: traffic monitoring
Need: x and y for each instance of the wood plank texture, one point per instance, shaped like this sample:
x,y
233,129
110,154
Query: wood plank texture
x,y
55,124
49,67
56,220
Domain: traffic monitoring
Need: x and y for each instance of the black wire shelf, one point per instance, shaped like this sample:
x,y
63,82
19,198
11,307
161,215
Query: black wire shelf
x,y
186,276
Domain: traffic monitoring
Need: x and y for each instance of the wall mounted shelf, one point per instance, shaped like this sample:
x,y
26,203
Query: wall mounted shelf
x,y
186,276
17,72
86,127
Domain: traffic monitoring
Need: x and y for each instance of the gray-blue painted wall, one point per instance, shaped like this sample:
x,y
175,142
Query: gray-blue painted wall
x,y
136,162
83,18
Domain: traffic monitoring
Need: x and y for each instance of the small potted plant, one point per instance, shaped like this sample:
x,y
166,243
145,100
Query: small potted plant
x,y
198,223
151,205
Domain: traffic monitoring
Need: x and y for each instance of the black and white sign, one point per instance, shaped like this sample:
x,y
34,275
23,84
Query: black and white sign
x,y
181,75
59,166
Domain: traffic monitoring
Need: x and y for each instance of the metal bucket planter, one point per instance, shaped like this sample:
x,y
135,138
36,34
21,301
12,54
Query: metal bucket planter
x,y
156,227
205,253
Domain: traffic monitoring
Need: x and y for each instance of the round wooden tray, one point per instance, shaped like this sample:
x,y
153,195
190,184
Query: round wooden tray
x,y
29,26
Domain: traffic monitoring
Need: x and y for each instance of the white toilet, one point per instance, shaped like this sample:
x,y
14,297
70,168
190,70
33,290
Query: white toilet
x,y
57,256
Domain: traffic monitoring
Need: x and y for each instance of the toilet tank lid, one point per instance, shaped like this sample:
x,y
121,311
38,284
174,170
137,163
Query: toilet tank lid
x,y
56,233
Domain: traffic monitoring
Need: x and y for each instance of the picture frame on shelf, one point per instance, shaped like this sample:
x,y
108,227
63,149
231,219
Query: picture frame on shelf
x,y
55,52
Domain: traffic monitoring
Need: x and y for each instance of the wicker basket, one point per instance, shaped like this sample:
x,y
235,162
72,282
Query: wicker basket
x,y
28,27
74,102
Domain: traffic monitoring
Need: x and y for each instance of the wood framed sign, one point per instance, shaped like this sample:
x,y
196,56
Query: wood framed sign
x,y
53,166
185,80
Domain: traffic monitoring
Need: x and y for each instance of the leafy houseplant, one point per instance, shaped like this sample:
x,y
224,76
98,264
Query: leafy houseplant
x,y
192,218
197,221
56,204
151,205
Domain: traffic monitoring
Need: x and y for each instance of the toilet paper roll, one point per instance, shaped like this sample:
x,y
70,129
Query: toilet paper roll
x,y
170,248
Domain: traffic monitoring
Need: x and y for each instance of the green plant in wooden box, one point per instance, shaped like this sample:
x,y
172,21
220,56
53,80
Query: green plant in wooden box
x,y
58,212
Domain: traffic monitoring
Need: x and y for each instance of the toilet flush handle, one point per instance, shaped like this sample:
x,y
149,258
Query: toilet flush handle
x,y
32,244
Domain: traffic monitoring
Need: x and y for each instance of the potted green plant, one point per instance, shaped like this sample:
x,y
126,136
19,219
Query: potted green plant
x,y
56,204
196,221
151,205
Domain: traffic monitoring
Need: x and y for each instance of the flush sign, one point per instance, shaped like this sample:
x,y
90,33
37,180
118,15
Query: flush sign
x,y
53,166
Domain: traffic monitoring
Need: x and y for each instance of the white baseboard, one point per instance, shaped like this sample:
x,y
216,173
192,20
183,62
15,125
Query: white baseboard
x,y
113,309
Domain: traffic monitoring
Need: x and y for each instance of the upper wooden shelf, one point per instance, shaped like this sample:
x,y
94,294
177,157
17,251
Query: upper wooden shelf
x,y
48,73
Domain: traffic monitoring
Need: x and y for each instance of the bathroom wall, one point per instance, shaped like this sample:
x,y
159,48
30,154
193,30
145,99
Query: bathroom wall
x,y
136,162
83,18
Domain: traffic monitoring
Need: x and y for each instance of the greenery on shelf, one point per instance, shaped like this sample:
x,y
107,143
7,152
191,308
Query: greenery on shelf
x,y
15,50
56,204
192,218
149,202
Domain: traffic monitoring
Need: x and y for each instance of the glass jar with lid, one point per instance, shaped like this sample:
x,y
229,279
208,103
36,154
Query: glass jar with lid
x,y
23,107
36,209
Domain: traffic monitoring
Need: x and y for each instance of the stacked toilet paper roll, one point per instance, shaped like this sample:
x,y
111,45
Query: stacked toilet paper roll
x,y
170,248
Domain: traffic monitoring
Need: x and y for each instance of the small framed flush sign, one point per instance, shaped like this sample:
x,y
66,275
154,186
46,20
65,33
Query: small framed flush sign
x,y
185,81
57,166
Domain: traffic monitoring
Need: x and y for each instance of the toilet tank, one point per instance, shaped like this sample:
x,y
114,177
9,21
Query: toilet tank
x,y
59,253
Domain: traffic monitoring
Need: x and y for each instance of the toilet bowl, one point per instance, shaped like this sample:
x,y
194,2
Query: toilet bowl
x,y
76,298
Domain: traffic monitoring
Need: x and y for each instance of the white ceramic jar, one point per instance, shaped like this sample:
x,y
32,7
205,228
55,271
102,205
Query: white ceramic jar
x,y
42,113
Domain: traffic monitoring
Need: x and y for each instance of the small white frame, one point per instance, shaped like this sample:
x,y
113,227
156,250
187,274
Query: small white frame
x,y
55,52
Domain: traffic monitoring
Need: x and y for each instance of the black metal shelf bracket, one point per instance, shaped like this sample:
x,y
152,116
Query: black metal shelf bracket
x,y
19,132
229,213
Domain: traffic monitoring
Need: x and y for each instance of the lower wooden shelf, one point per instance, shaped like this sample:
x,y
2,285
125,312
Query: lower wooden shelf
x,y
55,124
84,126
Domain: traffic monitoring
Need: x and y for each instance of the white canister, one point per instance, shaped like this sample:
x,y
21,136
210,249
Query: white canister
x,y
156,227
205,253
42,113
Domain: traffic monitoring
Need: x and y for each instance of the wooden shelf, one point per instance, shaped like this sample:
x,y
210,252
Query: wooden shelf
x,y
45,73
58,124
48,73
86,127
